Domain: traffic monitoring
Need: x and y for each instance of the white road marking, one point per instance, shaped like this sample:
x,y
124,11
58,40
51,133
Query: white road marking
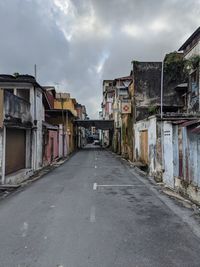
x,y
24,229
92,214
119,185
95,166
95,186
52,206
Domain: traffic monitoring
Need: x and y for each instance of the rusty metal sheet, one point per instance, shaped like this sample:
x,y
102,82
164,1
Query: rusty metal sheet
x,y
190,123
178,122
196,130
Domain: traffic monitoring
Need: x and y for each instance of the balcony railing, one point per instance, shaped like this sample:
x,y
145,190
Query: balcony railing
x,y
16,108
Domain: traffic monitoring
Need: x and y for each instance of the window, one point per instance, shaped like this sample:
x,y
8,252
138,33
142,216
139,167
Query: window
x,y
10,90
24,93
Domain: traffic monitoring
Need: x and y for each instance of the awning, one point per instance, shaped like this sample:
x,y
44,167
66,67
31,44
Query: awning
x,y
181,86
49,126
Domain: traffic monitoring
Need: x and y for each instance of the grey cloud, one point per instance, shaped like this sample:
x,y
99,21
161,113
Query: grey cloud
x,y
68,48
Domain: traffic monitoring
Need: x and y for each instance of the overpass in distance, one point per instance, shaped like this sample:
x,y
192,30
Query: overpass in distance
x,y
98,124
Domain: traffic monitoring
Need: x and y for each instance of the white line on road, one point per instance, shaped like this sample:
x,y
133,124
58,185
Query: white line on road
x,y
95,166
95,186
24,229
92,214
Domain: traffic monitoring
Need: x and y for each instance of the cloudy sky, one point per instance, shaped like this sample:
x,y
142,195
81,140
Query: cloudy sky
x,y
78,43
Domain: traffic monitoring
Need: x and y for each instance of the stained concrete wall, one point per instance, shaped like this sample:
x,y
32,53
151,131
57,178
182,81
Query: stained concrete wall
x,y
52,147
39,118
170,153
147,81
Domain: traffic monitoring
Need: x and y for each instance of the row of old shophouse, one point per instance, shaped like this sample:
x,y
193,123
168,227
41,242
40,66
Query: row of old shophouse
x,y
156,113
36,126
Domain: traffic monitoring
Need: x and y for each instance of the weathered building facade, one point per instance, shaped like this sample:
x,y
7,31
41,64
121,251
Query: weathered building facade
x,y
62,114
121,109
22,113
107,110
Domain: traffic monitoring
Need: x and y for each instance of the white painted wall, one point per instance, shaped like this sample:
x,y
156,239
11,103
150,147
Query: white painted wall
x,y
39,117
168,174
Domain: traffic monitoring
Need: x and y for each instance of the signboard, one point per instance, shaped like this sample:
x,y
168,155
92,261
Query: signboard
x,y
126,107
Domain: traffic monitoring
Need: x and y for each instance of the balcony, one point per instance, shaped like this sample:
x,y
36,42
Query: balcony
x,y
16,109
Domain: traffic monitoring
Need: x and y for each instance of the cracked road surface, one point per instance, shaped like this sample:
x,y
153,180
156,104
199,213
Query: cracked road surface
x,y
64,220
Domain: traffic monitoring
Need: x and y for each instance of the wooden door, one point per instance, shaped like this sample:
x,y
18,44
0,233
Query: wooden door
x,y
144,147
15,150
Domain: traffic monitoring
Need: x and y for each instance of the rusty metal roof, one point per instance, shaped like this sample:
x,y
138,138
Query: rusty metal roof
x,y
196,130
178,122
189,40
189,123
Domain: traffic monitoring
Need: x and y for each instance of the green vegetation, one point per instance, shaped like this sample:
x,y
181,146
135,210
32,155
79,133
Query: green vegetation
x,y
192,63
152,110
174,66
16,74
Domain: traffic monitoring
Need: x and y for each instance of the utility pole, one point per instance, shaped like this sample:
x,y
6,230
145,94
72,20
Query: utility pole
x,y
161,91
161,114
63,123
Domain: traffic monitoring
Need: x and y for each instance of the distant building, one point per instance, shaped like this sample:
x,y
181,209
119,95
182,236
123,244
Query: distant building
x,y
62,112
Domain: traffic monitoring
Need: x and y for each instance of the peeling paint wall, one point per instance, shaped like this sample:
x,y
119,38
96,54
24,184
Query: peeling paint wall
x,y
187,168
39,116
51,148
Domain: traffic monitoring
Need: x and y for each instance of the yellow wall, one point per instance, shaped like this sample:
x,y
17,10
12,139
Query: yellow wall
x,y
66,104
69,129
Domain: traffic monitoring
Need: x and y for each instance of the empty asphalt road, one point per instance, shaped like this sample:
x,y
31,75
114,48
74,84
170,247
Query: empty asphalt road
x,y
93,211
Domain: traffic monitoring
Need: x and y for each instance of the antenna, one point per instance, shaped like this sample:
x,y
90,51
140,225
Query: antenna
x,y
35,71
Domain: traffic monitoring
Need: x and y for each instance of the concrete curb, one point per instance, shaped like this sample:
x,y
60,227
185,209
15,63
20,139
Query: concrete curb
x,y
161,187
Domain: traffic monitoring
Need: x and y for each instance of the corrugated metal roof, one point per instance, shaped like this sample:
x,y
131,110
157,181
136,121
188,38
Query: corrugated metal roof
x,y
49,126
178,122
189,40
189,123
196,130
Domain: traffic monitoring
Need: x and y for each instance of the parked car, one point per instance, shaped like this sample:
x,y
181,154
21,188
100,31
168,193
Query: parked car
x,y
96,143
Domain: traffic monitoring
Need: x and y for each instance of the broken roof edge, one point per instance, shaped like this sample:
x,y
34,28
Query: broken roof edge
x,y
21,78
190,38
